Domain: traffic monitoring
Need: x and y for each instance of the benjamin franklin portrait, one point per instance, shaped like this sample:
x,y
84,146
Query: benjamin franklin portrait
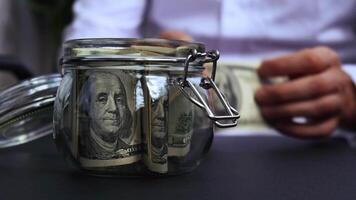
x,y
106,121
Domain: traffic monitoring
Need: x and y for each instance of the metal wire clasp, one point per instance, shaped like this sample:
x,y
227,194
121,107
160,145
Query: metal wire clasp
x,y
207,83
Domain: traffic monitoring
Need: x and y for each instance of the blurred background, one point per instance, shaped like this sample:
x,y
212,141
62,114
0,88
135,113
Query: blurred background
x,y
30,37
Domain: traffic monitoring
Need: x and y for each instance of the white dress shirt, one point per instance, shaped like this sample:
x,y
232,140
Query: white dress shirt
x,y
242,30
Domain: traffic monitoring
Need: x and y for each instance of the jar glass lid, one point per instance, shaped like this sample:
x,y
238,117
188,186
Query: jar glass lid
x,y
26,110
128,49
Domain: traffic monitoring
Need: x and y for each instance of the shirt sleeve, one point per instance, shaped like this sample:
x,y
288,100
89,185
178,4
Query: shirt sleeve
x,y
105,19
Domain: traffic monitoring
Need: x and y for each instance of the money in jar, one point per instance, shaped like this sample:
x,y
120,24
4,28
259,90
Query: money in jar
x,y
124,107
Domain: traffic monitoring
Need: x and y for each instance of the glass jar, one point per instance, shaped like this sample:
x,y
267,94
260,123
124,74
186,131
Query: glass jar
x,y
136,107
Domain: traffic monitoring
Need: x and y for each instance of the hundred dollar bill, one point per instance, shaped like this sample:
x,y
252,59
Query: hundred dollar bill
x,y
238,82
107,121
181,121
155,155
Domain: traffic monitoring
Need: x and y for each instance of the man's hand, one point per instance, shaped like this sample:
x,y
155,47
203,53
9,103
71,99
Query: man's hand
x,y
317,90
175,35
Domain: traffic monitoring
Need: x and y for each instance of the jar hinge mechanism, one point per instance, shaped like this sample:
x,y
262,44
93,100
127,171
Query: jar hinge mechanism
x,y
207,83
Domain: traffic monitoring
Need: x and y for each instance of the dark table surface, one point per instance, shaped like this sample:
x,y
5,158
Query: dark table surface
x,y
236,168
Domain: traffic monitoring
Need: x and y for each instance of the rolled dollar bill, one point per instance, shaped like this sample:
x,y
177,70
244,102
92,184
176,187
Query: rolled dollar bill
x,y
181,121
107,132
134,50
155,155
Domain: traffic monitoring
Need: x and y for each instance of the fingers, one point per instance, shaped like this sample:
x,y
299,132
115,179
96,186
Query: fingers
x,y
320,98
300,89
308,131
308,61
323,107
175,35
315,91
